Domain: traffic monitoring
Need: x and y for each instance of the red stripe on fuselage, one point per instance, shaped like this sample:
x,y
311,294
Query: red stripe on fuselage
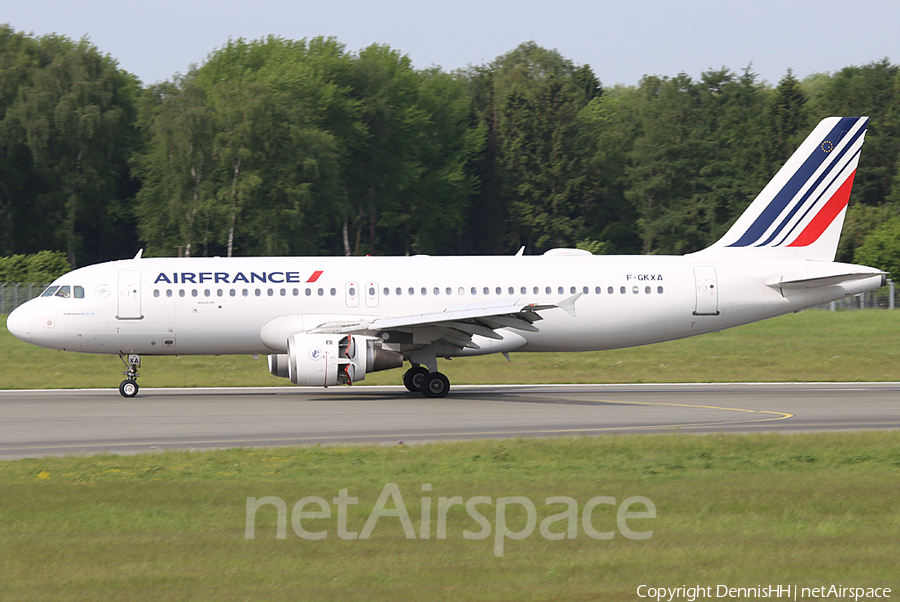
x,y
826,215
315,276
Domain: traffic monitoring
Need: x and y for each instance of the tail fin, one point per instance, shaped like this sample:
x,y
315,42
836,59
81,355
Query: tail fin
x,y
801,211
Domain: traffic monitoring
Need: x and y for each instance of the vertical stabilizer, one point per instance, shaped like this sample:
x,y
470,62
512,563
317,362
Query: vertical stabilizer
x,y
801,211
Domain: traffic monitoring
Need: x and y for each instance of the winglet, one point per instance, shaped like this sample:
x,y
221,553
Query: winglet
x,y
569,304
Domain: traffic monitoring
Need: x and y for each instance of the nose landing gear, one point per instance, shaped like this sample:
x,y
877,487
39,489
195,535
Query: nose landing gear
x,y
129,386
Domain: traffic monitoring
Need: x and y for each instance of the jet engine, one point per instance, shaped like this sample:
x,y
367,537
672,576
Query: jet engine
x,y
324,360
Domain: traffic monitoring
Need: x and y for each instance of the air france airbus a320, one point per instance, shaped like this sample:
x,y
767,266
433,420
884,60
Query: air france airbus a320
x,y
329,321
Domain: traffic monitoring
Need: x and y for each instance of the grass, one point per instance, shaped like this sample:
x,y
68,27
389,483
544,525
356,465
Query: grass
x,y
741,510
814,345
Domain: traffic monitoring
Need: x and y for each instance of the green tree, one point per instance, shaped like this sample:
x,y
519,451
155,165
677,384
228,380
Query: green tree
x,y
881,248
66,136
871,90
541,161
174,202
785,120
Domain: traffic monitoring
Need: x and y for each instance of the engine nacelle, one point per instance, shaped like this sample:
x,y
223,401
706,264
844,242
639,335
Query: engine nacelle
x,y
324,360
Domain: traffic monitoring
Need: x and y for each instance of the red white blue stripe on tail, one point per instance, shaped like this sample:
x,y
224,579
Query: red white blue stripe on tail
x,y
801,211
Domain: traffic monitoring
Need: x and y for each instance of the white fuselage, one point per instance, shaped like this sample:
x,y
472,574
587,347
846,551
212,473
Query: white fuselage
x,y
221,306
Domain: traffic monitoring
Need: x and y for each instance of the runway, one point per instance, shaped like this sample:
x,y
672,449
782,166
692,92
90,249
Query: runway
x,y
39,423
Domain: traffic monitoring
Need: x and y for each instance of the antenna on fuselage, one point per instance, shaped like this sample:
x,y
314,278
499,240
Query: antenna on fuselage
x,y
139,253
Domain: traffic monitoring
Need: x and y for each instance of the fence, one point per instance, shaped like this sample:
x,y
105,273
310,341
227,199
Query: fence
x,y
14,294
881,298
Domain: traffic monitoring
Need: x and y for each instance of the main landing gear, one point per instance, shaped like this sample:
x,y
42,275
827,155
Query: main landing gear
x,y
129,386
419,379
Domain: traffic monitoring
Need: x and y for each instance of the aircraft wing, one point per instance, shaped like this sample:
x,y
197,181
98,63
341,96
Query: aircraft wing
x,y
455,325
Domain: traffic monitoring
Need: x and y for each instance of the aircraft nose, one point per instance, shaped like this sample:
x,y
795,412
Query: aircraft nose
x,y
19,323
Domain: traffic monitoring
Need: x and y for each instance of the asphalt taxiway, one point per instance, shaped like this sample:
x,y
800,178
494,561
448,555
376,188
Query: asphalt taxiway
x,y
39,423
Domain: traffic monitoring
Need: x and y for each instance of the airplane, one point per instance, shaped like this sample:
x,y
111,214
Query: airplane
x,y
325,321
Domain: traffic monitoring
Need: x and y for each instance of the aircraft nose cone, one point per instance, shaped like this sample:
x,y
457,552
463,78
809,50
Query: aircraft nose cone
x,y
19,323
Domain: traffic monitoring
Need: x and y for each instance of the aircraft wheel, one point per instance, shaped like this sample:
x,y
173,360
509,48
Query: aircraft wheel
x,y
414,378
436,385
128,388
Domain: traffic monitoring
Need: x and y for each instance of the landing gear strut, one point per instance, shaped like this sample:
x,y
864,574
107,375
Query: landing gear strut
x,y
129,386
419,379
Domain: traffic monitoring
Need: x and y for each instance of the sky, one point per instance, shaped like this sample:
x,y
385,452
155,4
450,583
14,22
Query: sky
x,y
622,40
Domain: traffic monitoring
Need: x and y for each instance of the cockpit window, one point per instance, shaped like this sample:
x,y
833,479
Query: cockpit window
x,y
49,291
64,291
79,292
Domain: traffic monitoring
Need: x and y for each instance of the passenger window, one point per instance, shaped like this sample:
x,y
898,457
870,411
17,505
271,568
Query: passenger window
x,y
523,290
246,293
511,291
585,290
635,290
399,291
232,292
659,289
647,290
548,290
572,291
622,290
79,292
487,291
437,291
49,292
206,293
194,292
424,291
474,291
270,292
610,290
283,292
169,293
499,290
257,292
352,291
387,291
296,292
333,292
449,291
598,290
156,292
560,290
321,292
461,291
63,292
412,291
181,292
536,290
308,292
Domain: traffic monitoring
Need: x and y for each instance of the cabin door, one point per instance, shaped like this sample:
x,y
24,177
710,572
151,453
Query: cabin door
x,y
707,299
129,295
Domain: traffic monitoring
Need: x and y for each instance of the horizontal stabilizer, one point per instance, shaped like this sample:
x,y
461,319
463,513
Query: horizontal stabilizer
x,y
804,283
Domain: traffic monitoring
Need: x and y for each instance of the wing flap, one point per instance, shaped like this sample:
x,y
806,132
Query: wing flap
x,y
455,325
